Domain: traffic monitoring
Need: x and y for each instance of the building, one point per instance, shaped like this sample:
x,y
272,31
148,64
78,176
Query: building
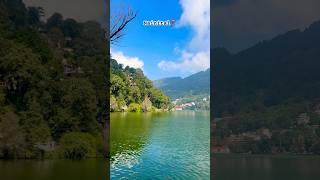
x,y
216,147
178,108
220,149
303,119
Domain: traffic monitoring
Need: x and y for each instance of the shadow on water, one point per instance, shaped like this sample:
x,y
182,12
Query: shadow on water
x,y
53,169
252,167
138,126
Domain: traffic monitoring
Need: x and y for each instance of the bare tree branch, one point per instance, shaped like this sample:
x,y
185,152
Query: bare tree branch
x,y
119,23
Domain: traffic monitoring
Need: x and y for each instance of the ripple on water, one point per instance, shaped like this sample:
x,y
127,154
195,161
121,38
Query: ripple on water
x,y
175,146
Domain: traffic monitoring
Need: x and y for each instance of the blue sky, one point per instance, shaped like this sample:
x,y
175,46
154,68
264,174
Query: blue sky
x,y
163,51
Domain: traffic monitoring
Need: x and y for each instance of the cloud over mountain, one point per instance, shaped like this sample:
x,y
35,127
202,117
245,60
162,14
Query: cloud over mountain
x,y
196,55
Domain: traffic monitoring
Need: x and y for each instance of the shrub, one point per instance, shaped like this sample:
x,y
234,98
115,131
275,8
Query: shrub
x,y
134,107
77,145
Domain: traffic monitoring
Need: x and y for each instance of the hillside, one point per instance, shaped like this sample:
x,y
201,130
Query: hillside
x,y
177,87
271,93
52,84
276,70
131,91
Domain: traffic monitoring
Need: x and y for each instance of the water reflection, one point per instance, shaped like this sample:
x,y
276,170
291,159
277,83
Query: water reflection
x,y
53,169
251,167
160,145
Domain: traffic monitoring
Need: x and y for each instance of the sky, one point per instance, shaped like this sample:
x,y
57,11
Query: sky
x,y
165,51
239,24
81,10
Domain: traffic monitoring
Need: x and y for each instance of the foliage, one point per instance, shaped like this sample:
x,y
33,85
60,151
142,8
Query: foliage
x,y
12,138
39,97
134,107
77,145
129,87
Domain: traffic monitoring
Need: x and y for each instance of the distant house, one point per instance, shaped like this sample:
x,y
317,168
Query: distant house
x,y
69,50
49,146
178,108
217,147
68,39
69,69
303,119
238,139
220,149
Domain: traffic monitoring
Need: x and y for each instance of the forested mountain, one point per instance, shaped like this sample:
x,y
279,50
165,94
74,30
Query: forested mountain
x,y
131,91
177,87
275,71
52,87
275,85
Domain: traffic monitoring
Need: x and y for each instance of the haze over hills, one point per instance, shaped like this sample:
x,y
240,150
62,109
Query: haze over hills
x,y
269,95
177,87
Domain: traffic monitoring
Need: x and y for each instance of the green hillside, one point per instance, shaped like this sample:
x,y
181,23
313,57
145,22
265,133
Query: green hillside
x,y
131,91
52,86
176,87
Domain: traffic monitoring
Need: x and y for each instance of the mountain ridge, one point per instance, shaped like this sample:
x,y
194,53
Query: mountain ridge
x,y
176,87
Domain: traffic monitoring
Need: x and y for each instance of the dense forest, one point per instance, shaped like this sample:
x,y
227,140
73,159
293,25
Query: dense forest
x,y
132,91
52,84
266,98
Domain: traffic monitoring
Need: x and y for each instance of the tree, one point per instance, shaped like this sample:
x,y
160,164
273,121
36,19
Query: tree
x,y
55,20
134,107
12,138
34,15
77,145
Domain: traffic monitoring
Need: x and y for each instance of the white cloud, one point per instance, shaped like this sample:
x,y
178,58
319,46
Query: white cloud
x,y
134,62
196,55
196,14
190,62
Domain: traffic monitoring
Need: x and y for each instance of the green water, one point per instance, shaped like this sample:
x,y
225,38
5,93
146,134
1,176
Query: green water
x,y
282,167
92,169
173,145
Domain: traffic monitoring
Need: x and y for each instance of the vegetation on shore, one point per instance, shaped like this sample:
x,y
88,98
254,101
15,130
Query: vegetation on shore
x,y
52,88
132,91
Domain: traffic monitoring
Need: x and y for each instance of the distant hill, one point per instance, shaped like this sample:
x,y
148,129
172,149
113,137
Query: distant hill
x,y
272,87
271,72
176,87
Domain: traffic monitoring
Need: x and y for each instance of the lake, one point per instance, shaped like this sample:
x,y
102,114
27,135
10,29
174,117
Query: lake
x,y
253,167
53,169
167,145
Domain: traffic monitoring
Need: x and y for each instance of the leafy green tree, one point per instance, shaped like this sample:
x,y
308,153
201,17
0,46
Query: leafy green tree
x,y
55,20
134,107
12,138
77,145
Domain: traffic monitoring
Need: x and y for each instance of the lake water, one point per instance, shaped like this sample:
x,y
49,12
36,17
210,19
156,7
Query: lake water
x,y
91,169
172,145
250,167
